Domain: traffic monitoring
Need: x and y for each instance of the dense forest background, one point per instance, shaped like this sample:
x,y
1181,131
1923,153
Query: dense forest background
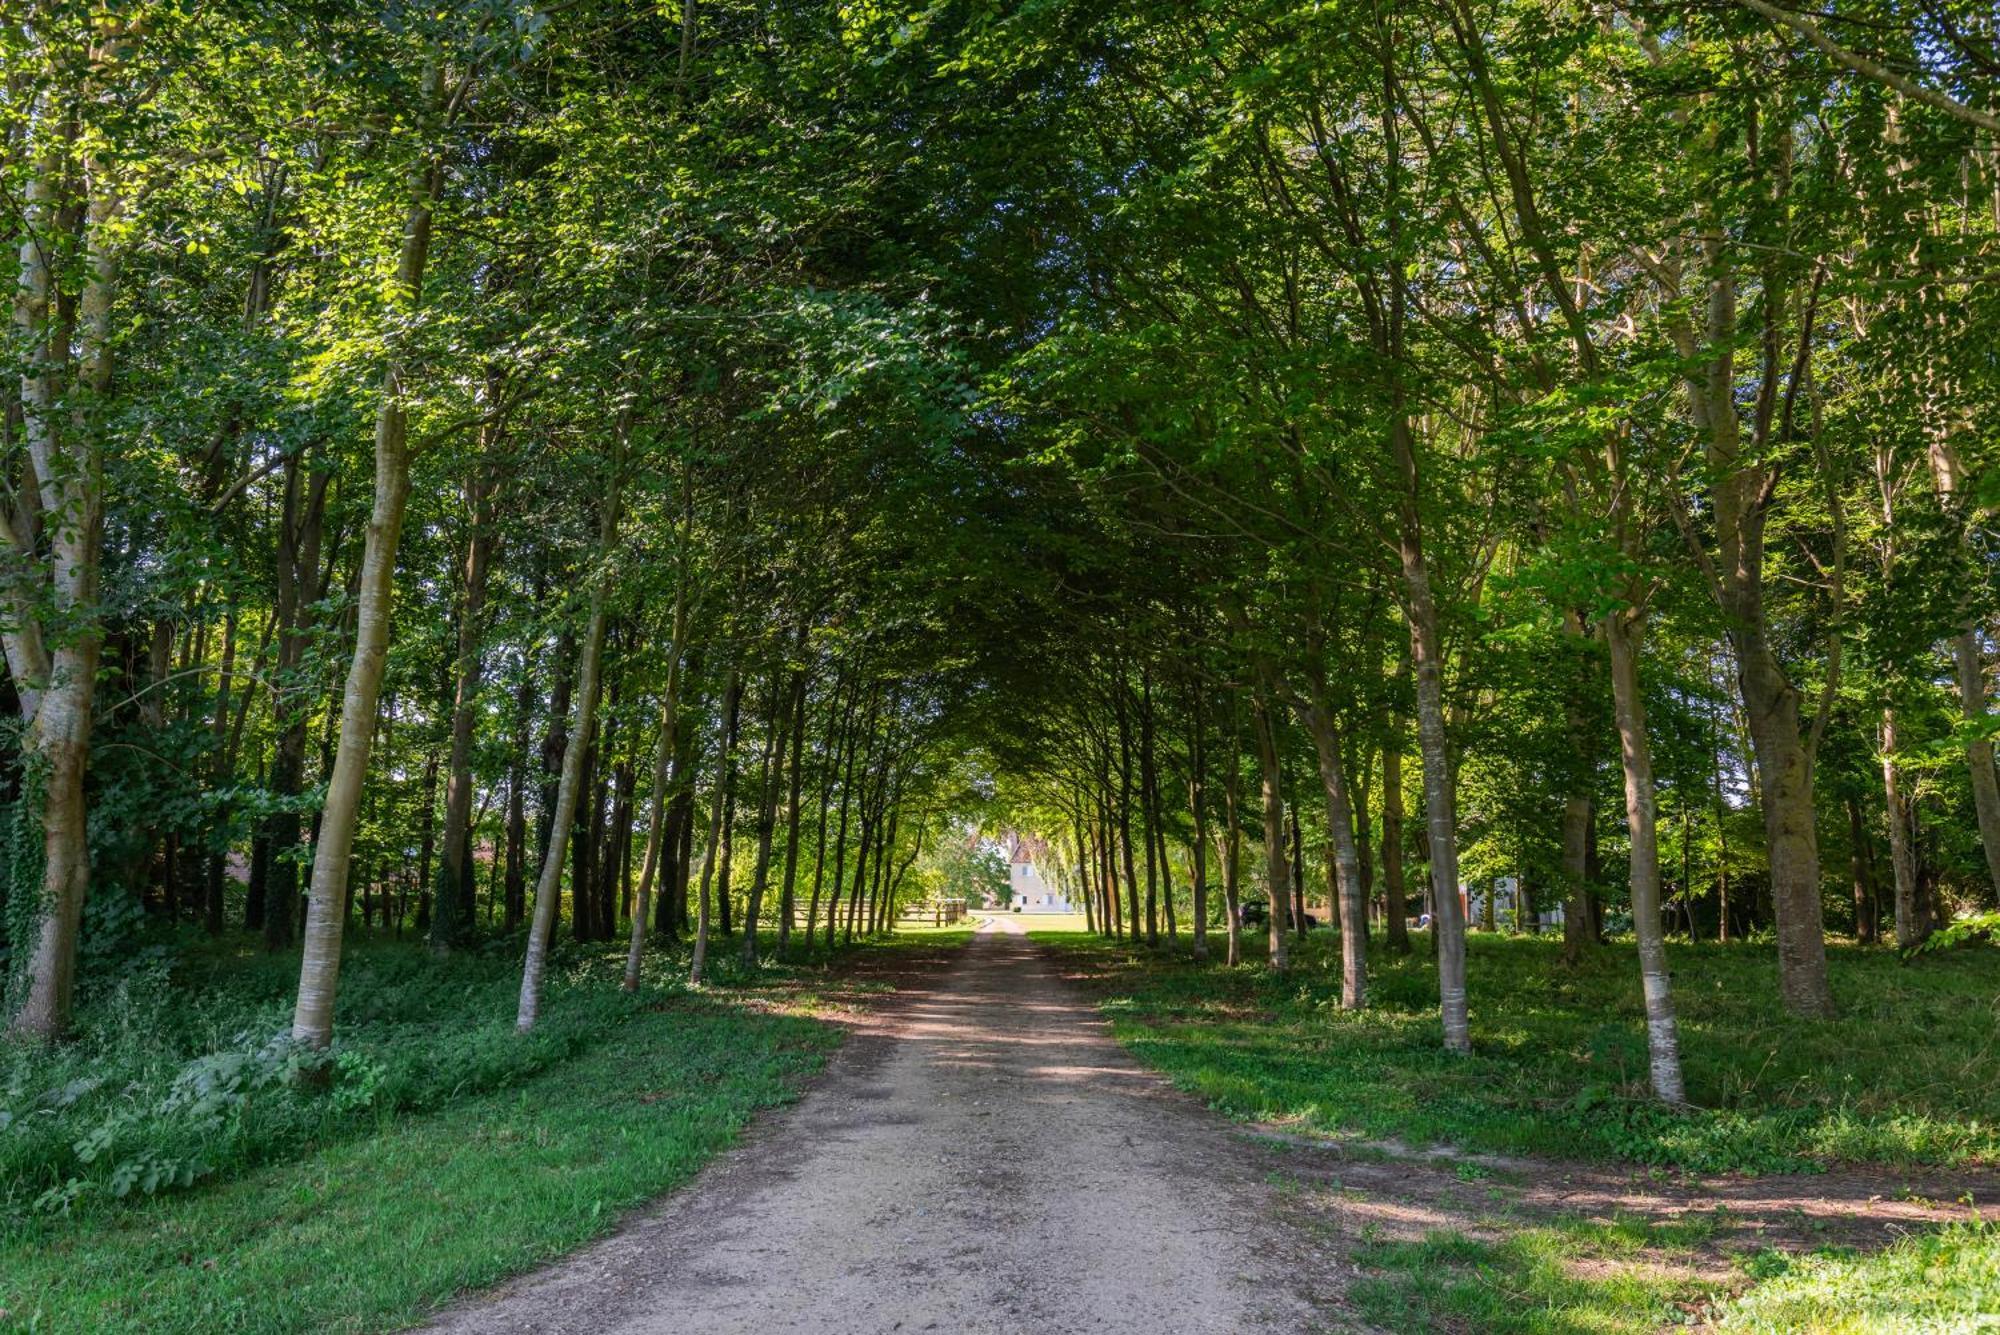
x,y
510,475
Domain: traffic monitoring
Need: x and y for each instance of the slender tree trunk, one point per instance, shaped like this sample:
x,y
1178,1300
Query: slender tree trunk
x,y
787,893
1861,864
1440,797
1277,871
1125,807
1979,750
1298,859
770,775
663,754
452,913
1576,814
1622,634
831,751
1198,850
725,855
67,470
319,965
1395,894
426,839
732,696
569,792
840,839
1902,854
515,887
1318,718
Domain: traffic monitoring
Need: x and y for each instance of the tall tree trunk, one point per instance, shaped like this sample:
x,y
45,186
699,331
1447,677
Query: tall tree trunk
x,y
1440,797
732,697
1395,894
426,839
1979,750
218,852
57,685
1902,853
1861,865
452,913
1576,817
1622,634
1277,871
770,773
569,791
515,887
1149,803
319,965
1125,805
840,839
1317,714
663,754
1232,845
1968,660
725,855
787,894
1198,850
831,751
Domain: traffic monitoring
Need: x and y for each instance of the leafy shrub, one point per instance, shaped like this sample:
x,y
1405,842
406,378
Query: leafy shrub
x,y
179,1074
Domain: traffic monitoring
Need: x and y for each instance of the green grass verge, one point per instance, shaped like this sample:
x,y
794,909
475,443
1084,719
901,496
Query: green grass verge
x,y
1565,1278
445,1155
1947,1281
376,1231
1909,1073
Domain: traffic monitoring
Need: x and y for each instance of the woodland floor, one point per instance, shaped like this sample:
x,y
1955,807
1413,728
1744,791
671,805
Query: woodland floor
x,y
982,1156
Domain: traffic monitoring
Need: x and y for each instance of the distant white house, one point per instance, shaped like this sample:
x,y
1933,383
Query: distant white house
x,y
1027,891
1505,890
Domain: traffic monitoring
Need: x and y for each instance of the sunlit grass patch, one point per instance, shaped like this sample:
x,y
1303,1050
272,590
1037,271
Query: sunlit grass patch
x,y
1909,1072
1572,1276
1944,1281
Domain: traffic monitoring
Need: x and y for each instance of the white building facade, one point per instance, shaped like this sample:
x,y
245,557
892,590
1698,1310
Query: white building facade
x,y
1028,891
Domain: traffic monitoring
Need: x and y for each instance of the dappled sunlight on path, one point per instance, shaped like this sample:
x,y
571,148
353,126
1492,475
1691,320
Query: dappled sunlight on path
x,y
981,1157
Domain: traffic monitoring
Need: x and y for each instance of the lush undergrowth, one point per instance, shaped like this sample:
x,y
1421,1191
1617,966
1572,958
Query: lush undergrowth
x,y
444,1152
1909,1073
180,1074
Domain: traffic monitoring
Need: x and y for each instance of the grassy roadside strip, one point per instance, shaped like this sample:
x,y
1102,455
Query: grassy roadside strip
x,y
379,1227
1907,1076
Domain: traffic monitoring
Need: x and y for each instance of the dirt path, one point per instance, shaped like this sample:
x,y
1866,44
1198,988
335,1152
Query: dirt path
x,y
979,1157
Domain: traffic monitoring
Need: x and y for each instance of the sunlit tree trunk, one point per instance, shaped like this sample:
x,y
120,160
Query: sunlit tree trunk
x,y
319,965
1622,634
1902,851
